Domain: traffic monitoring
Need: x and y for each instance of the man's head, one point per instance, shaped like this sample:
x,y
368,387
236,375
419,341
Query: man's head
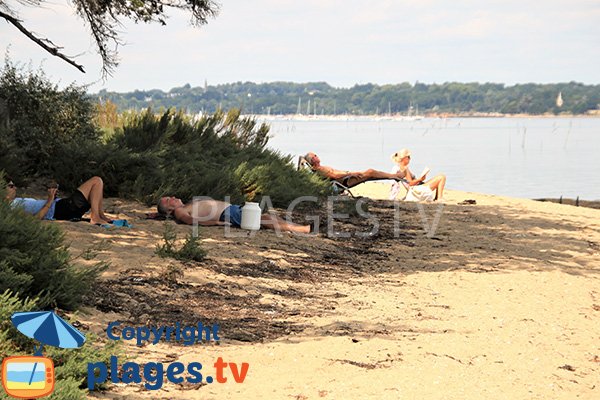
x,y
312,159
166,205
11,188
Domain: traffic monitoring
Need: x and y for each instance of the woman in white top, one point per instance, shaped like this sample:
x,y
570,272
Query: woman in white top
x,y
431,190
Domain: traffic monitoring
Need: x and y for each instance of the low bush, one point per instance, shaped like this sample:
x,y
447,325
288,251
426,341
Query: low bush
x,y
34,261
189,251
219,155
50,133
37,119
70,364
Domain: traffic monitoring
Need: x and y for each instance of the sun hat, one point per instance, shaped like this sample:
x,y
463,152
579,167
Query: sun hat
x,y
400,155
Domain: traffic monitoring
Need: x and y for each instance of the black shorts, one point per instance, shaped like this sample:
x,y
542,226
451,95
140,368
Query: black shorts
x,y
72,207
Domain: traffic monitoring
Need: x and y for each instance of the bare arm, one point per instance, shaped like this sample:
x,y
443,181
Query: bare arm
x,y
182,215
51,195
410,178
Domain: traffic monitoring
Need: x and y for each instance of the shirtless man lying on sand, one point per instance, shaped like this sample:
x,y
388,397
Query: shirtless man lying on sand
x,y
214,212
346,178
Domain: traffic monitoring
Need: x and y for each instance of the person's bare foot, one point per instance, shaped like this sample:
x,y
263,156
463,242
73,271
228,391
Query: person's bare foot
x,y
105,218
97,221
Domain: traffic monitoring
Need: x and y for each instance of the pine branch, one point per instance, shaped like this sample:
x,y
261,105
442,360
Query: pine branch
x,y
52,49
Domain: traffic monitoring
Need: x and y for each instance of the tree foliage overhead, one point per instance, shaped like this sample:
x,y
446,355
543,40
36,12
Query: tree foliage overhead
x,y
104,17
321,98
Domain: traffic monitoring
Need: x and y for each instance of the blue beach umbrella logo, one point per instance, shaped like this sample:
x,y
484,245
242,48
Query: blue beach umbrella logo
x,y
47,328
33,377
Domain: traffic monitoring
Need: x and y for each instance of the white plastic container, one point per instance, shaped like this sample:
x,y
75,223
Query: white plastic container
x,y
251,216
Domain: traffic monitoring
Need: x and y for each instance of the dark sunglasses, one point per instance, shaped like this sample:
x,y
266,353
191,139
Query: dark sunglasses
x,y
11,185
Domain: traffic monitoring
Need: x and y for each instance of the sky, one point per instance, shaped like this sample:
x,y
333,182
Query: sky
x,y
341,42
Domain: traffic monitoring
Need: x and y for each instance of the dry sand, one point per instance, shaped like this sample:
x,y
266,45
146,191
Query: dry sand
x,y
502,302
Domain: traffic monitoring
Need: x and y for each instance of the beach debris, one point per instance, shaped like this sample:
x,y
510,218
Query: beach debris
x,y
467,201
360,364
170,357
191,386
450,357
567,367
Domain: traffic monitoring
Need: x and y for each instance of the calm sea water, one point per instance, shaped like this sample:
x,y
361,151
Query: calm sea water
x,y
519,157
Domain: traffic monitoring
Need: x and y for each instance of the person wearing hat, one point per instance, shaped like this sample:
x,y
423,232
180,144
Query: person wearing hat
x,y
420,190
346,178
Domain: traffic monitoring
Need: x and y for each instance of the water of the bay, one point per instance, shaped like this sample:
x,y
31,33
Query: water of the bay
x,y
518,157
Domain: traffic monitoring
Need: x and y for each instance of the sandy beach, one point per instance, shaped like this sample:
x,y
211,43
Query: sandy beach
x,y
501,301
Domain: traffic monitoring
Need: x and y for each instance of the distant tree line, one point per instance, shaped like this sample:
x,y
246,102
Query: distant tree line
x,y
321,98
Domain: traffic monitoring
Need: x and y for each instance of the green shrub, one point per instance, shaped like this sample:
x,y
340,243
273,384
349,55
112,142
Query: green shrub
x,y
35,273
11,341
190,251
37,119
219,155
34,261
51,133
70,364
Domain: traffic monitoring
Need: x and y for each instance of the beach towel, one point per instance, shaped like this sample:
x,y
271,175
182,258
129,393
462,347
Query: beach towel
x,y
117,223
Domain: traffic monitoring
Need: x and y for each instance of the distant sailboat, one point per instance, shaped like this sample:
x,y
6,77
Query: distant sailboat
x,y
559,100
411,114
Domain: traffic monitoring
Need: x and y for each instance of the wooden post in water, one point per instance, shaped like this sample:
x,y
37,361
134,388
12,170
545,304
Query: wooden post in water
x,y
577,201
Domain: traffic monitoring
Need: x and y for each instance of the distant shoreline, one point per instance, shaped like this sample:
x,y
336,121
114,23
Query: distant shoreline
x,y
375,117
380,191
573,202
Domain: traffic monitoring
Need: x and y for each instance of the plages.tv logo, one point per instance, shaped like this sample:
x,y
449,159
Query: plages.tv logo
x,y
31,377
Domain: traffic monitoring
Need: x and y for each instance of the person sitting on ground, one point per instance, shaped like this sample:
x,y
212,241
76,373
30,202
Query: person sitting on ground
x,y
87,197
209,212
430,190
347,178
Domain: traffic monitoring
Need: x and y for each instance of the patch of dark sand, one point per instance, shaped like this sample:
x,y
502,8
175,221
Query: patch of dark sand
x,y
154,302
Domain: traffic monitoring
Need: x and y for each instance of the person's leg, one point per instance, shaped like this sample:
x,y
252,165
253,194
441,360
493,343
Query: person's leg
x,y
274,222
93,191
437,183
370,175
